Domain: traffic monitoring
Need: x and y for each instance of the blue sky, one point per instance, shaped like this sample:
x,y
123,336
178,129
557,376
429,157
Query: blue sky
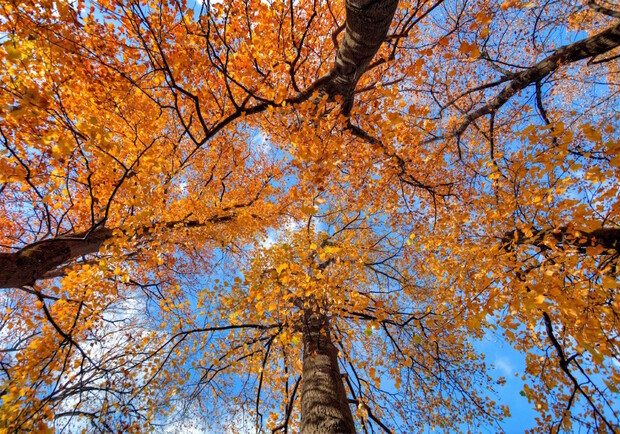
x,y
509,364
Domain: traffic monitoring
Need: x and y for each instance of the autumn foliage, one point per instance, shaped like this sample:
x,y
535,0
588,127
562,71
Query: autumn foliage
x,y
283,216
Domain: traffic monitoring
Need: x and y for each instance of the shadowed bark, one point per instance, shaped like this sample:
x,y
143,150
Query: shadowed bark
x,y
31,263
41,259
324,404
367,24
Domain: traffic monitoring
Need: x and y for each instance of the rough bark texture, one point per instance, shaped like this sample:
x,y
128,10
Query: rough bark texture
x,y
367,24
26,266
324,404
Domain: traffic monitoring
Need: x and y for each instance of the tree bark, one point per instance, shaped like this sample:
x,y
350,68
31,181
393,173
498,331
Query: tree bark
x,y
35,261
324,404
367,24
31,263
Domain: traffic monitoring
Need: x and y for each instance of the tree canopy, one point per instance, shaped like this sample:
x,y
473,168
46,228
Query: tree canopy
x,y
281,216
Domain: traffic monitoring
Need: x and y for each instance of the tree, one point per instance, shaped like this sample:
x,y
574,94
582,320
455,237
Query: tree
x,y
440,186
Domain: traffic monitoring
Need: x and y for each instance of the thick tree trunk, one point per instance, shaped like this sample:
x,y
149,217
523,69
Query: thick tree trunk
x,y
367,24
37,260
31,263
324,404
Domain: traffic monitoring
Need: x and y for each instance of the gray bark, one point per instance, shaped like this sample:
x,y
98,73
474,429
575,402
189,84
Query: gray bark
x,y
367,24
324,404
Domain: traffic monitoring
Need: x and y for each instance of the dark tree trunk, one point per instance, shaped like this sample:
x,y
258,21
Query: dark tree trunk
x,y
367,24
40,259
26,266
324,404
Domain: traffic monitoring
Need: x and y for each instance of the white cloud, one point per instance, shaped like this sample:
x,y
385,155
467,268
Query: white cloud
x,y
280,234
504,365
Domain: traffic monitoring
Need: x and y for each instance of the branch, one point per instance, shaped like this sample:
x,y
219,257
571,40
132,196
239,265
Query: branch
x,y
289,409
29,264
563,362
589,47
404,174
46,258
608,238
603,10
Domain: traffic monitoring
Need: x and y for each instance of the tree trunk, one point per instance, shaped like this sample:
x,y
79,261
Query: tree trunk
x,y
367,24
31,263
324,404
35,261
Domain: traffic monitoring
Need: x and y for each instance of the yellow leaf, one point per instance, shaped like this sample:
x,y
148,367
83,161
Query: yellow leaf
x,y
591,134
309,210
483,18
508,4
465,47
331,249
